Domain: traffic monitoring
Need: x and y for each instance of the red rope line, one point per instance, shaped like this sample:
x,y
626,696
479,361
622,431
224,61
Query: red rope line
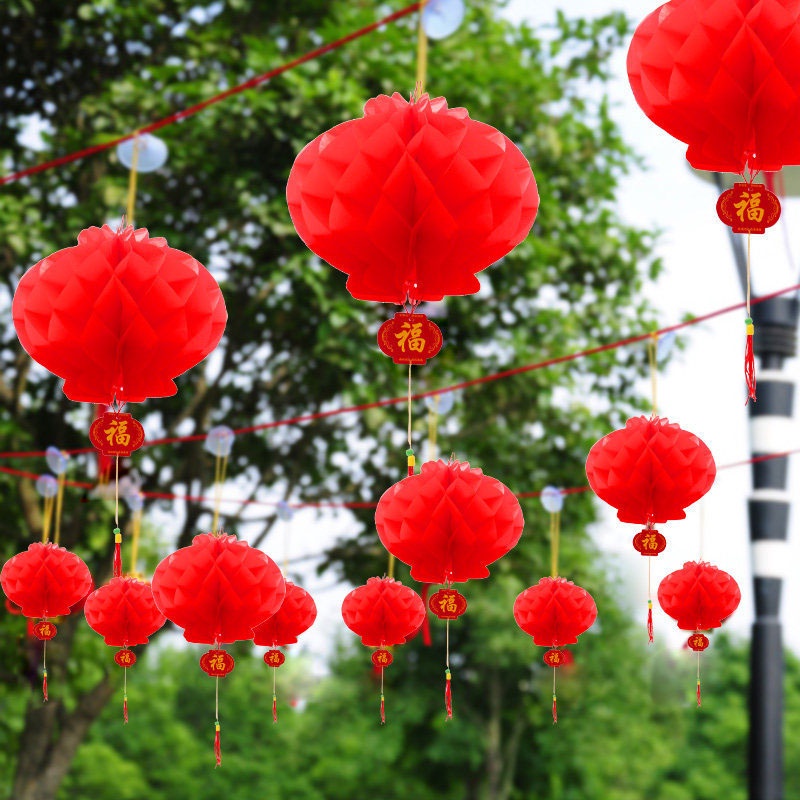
x,y
218,98
495,376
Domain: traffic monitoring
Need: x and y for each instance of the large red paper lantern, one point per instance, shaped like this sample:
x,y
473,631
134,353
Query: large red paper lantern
x,y
383,613
723,77
555,612
119,315
650,470
448,522
296,615
700,597
412,199
124,613
45,581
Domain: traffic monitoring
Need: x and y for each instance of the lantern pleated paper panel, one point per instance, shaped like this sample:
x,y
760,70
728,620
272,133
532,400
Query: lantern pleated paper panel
x,y
119,315
295,616
700,597
555,612
45,581
383,613
412,199
723,77
650,470
124,613
449,522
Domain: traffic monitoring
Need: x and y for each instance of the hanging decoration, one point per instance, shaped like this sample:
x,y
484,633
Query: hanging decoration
x,y
699,597
45,581
448,523
218,589
219,442
58,463
650,471
295,616
555,612
383,613
124,613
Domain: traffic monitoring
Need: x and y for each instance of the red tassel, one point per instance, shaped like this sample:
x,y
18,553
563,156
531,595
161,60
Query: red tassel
x,y
383,711
750,362
44,687
698,694
217,746
117,553
426,623
274,708
125,708
650,621
448,694
555,711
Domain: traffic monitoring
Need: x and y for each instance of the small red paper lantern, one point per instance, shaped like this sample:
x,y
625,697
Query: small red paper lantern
x,y
116,434
123,612
699,597
383,612
448,522
555,612
411,200
295,616
217,663
119,315
722,77
45,581
218,589
409,338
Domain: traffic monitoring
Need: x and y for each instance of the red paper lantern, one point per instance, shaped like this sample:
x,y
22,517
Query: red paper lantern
x,y
119,315
45,580
699,596
555,612
723,77
448,522
412,199
650,470
296,615
383,612
218,589
123,612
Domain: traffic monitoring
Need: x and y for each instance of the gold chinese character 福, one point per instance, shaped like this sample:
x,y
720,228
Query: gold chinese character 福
x,y
117,433
750,204
411,335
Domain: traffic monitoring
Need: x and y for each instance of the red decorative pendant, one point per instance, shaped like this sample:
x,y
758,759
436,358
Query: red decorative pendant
x,y
649,542
45,630
116,434
555,658
447,604
409,338
382,658
274,658
125,658
748,208
697,641
217,663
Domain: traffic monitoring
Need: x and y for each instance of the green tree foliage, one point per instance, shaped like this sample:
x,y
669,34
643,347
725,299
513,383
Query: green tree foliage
x,y
297,343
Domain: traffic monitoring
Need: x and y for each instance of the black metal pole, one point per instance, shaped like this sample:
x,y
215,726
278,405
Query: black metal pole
x,y
770,428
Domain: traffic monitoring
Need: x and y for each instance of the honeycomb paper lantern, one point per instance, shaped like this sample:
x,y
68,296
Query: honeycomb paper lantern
x,y
123,612
119,315
723,77
411,200
295,616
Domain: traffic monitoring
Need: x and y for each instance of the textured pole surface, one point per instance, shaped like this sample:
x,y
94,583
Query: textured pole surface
x,y
771,431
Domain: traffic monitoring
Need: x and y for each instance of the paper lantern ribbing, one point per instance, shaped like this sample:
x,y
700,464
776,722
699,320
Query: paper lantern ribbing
x,y
650,470
412,199
723,77
383,613
45,581
449,522
119,315
699,597
124,613
296,615
555,612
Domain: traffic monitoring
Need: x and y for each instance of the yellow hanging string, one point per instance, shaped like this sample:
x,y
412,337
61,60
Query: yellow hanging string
x,y
59,505
132,180
422,55
220,468
652,357
433,425
555,541
136,530
47,516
